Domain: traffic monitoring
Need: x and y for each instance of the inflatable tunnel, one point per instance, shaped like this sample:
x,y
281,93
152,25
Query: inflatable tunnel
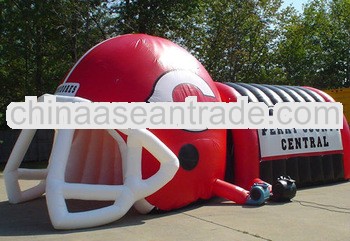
x,y
309,156
166,169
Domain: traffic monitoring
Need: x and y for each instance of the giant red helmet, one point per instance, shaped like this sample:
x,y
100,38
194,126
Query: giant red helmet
x,y
162,169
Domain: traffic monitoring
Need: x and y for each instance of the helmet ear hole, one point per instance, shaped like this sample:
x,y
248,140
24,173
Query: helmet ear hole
x,y
188,157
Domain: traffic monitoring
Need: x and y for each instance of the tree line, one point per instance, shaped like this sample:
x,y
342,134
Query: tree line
x,y
253,41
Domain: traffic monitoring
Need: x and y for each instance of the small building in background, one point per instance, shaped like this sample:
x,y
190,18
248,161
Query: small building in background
x,y
342,95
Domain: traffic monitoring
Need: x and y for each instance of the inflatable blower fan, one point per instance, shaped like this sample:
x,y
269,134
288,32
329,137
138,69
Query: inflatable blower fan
x,y
259,194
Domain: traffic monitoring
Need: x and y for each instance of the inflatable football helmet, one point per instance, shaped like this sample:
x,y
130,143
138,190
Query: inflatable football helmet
x,y
162,169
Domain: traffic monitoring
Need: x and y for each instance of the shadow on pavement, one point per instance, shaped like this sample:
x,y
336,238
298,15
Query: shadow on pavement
x,y
32,218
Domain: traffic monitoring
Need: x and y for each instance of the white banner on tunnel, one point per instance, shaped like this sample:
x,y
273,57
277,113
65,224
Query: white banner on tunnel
x,y
281,143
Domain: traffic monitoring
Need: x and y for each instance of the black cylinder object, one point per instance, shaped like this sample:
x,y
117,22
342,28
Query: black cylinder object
x,y
284,189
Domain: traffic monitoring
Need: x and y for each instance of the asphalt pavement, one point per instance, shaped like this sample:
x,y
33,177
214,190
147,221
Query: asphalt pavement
x,y
318,213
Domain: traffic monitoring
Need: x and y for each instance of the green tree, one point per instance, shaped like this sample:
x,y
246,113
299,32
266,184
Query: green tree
x,y
339,13
314,47
238,39
161,18
41,40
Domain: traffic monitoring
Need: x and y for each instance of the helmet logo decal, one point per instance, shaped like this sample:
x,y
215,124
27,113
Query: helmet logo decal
x,y
169,83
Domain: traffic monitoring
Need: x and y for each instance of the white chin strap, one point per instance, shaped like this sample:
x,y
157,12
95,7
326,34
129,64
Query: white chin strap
x,y
133,190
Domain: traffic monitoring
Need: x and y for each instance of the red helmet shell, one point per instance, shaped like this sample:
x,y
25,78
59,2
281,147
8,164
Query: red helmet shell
x,y
140,68
126,68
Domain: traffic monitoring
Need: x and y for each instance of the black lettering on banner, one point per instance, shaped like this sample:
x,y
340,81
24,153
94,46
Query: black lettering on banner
x,y
305,142
312,142
297,143
319,142
284,144
290,144
325,142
